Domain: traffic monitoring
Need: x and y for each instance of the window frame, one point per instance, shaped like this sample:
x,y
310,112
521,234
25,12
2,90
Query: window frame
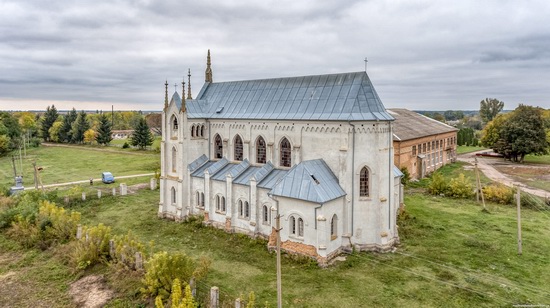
x,y
285,153
364,182
218,147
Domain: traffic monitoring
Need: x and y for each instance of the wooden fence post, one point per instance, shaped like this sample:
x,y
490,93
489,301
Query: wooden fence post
x,y
112,248
79,232
114,191
83,196
139,261
193,287
238,303
99,194
214,297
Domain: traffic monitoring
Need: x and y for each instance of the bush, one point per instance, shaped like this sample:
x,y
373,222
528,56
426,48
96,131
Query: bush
x,y
125,250
460,187
125,145
25,231
35,142
406,176
163,268
498,193
93,247
178,298
437,185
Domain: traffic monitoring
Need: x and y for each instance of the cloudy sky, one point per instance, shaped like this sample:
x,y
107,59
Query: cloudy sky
x,y
422,55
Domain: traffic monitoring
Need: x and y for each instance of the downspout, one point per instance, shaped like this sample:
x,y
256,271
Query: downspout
x,y
320,206
209,138
352,175
391,179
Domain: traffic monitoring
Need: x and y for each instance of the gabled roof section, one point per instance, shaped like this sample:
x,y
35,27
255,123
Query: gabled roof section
x,y
176,100
240,168
346,96
217,166
411,125
264,171
310,181
197,163
396,172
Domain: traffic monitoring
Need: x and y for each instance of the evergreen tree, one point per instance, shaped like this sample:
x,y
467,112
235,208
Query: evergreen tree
x,y
142,136
104,130
65,134
49,118
79,127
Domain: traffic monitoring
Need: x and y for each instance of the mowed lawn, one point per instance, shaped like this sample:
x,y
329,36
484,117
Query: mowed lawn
x,y
451,255
73,163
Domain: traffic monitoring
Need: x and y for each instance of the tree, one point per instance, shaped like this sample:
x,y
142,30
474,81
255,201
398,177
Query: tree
x,y
142,136
49,118
154,120
4,144
65,133
104,130
90,136
491,132
54,131
79,127
520,133
489,108
10,127
451,115
439,117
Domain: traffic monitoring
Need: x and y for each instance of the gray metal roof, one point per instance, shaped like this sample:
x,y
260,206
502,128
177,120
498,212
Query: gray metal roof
x,y
197,163
397,172
411,125
346,96
310,180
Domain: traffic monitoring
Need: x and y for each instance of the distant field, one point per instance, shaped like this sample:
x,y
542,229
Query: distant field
x,y
462,149
73,163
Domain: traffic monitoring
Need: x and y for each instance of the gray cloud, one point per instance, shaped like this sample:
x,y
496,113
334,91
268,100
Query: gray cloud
x,y
422,54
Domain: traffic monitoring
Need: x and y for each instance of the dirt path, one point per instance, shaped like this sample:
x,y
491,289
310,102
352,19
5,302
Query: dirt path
x,y
98,180
486,166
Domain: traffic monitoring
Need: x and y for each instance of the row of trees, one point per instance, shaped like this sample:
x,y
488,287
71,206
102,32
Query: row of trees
x,y
524,131
16,129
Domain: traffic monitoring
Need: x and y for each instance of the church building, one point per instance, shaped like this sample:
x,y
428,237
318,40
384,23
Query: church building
x,y
317,150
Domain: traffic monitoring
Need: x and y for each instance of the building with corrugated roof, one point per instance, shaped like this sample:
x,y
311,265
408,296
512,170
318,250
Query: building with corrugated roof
x,y
315,149
421,144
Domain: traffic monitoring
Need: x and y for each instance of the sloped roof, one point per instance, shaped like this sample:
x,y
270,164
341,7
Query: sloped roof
x,y
346,96
310,180
411,125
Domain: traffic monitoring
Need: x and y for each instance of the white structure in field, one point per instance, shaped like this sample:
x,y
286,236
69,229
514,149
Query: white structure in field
x,y
318,149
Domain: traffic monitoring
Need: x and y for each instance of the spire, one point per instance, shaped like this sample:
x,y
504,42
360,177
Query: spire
x,y
189,85
166,94
183,107
208,77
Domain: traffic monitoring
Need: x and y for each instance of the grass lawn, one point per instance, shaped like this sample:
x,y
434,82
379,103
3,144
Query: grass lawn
x,y
65,164
538,159
452,254
120,142
467,149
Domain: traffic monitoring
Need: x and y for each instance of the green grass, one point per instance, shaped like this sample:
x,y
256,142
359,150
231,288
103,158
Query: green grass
x,y
538,159
73,163
452,254
462,149
120,142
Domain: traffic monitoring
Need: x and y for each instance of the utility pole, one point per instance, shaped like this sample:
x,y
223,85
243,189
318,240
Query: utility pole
x,y
35,175
479,190
20,161
278,230
518,200
13,163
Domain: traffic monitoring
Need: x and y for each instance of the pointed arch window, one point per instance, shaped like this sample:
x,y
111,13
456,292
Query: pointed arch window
x,y
285,151
201,133
220,203
174,160
266,215
218,146
202,200
193,133
238,148
260,151
300,227
292,225
364,182
246,210
334,227
174,126
241,211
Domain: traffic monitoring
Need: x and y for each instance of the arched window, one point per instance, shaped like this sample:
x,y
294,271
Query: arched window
x,y
241,208
285,151
223,204
193,134
334,227
198,198
202,200
218,146
292,225
260,151
238,148
217,202
265,215
201,133
174,160
173,190
364,182
246,210
174,126
300,227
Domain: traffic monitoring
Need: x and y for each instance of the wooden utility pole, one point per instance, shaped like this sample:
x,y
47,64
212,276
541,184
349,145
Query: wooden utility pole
x,y
279,287
518,200
35,175
14,170
479,190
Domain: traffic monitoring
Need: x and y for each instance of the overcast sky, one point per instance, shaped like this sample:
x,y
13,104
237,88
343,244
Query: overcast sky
x,y
422,55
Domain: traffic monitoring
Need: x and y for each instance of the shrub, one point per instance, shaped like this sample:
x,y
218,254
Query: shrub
x,y
93,247
125,145
460,187
56,223
498,193
406,176
25,231
437,185
35,142
163,268
125,250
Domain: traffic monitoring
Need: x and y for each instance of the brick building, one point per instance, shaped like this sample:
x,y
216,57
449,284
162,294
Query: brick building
x,y
421,144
